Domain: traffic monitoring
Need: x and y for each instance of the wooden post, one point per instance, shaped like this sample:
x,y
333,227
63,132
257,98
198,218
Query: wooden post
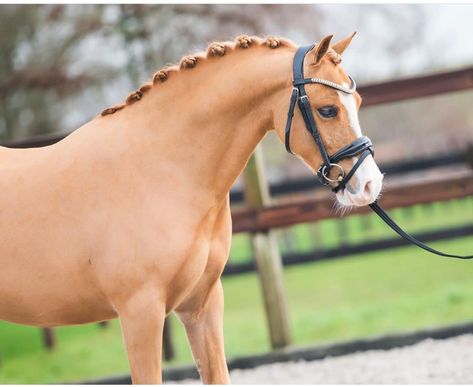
x,y
49,339
168,346
267,255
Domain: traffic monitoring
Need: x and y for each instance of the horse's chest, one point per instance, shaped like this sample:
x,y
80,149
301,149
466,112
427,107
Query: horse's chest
x,y
201,262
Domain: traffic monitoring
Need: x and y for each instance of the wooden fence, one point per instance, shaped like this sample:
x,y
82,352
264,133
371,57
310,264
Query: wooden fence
x,y
263,216
317,207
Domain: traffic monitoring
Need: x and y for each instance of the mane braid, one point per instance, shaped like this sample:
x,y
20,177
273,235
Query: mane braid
x,y
215,49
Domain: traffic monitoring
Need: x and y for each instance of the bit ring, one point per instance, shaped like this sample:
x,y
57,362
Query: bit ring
x,y
324,172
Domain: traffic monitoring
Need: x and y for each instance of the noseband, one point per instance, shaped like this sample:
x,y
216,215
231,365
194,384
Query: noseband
x,y
361,147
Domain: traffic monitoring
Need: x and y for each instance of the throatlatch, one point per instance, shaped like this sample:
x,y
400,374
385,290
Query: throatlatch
x,y
361,147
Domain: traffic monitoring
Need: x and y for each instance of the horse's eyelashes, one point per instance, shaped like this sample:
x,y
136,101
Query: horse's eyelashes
x,y
328,111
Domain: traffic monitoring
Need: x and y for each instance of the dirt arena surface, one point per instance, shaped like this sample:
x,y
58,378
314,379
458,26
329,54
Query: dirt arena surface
x,y
448,361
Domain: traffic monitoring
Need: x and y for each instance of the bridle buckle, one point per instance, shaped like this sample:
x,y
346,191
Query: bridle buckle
x,y
324,171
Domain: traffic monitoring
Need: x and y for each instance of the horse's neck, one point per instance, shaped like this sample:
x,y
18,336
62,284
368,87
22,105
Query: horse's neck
x,y
204,123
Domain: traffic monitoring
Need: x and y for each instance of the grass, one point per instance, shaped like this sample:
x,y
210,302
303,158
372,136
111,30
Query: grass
x,y
369,294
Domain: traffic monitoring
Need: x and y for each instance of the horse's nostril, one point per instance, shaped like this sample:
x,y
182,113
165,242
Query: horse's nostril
x,y
368,188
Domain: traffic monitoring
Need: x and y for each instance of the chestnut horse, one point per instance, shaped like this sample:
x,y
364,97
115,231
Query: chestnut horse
x,y
129,216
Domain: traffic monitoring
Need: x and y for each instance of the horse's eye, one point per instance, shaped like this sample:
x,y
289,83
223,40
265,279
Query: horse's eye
x,y
328,111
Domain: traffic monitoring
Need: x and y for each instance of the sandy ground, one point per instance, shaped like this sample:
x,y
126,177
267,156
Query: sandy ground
x,y
447,361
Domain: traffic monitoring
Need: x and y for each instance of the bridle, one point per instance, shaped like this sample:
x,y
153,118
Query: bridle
x,y
361,147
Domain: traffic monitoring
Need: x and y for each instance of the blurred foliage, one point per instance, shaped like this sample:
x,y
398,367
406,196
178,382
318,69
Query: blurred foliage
x,y
37,44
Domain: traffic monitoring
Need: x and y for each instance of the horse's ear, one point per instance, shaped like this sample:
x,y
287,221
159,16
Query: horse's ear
x,y
341,46
321,49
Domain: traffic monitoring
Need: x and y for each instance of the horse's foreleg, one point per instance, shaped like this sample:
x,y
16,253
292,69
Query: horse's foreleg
x,y
142,321
203,320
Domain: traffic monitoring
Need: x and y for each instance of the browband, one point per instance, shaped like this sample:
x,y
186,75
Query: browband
x,y
348,90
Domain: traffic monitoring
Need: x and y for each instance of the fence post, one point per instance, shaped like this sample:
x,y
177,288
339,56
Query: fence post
x,y
267,255
49,339
168,346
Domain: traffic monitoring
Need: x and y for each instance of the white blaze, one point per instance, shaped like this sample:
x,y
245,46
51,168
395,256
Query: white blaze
x,y
348,100
368,170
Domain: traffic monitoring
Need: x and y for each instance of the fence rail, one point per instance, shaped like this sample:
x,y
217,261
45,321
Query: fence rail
x,y
417,87
320,205
393,168
346,251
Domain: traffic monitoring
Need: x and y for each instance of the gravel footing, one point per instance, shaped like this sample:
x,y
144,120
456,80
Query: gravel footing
x,y
448,361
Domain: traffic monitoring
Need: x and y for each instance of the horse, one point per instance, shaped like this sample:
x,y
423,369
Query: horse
x,y
129,217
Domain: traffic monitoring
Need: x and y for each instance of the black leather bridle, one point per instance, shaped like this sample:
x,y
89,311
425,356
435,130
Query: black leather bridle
x,y
361,147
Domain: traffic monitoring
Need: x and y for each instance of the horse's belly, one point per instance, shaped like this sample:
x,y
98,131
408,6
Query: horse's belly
x,y
50,302
48,284
47,269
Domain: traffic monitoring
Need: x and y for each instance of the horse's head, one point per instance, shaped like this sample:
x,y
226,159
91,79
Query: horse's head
x,y
335,113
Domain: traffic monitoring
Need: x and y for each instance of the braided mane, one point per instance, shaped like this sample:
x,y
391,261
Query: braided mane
x,y
215,49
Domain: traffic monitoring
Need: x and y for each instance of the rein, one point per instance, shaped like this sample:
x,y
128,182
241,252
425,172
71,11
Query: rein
x,y
361,147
